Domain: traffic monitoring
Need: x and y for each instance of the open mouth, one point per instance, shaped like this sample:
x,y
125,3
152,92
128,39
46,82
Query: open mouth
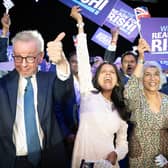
x,y
107,80
153,84
129,69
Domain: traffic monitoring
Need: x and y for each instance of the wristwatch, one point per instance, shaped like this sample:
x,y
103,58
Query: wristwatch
x,y
141,61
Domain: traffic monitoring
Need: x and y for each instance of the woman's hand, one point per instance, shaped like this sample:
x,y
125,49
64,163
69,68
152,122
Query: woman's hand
x,y
112,157
161,161
143,46
6,22
75,14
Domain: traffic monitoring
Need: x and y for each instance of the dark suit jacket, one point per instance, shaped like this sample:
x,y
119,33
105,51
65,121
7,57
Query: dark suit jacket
x,y
109,56
66,110
164,88
67,113
3,49
50,90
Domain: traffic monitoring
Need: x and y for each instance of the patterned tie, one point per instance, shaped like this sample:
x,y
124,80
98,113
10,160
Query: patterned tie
x,y
33,143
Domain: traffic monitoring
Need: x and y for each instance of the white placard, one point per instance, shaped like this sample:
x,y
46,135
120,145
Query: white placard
x,y
8,5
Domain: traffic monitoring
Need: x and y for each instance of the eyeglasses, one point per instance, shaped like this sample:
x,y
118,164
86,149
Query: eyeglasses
x,y
28,59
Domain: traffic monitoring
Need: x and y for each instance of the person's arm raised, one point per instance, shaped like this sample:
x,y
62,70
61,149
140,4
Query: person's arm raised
x,y
57,56
84,69
75,14
110,52
6,22
142,47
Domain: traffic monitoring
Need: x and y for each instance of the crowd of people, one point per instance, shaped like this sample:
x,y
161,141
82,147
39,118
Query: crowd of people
x,y
68,113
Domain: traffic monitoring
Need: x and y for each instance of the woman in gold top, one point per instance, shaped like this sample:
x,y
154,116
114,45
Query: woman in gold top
x,y
149,107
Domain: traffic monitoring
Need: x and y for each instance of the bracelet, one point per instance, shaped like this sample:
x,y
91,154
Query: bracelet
x,y
112,47
80,25
114,41
141,61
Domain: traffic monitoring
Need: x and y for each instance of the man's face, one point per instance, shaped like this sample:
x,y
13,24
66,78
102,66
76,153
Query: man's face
x,y
74,64
24,49
128,64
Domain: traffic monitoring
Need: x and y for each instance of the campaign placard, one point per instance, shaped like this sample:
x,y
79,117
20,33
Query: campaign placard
x,y
102,37
155,32
8,4
163,64
123,16
95,10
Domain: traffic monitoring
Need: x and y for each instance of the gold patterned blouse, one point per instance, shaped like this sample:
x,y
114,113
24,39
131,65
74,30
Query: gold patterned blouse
x,y
149,133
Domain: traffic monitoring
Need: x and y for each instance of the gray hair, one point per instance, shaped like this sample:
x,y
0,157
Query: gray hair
x,y
30,35
158,67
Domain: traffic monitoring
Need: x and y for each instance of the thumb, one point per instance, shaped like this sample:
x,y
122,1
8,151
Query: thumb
x,y
60,37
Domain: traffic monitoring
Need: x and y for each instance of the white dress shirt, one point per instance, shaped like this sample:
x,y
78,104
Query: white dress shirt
x,y
19,133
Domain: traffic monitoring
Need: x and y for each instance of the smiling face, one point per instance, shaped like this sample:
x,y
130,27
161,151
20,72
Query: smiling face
x,y
151,79
24,49
107,77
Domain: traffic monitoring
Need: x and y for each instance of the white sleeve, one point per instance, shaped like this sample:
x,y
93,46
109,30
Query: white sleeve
x,y
84,69
62,75
121,141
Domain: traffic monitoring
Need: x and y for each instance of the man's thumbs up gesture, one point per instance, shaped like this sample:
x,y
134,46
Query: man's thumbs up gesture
x,y
56,54
55,50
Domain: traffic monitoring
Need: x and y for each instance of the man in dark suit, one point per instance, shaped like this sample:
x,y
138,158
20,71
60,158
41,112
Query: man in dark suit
x,y
48,88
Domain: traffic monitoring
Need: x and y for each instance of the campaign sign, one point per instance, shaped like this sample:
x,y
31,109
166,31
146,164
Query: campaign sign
x,y
123,16
155,32
163,64
102,38
8,4
95,10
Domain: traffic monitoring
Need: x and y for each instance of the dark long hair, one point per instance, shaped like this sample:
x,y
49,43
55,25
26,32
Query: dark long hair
x,y
117,95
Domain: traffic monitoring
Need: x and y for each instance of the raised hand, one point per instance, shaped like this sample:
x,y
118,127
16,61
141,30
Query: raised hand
x,y
6,22
143,46
75,14
55,49
115,33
